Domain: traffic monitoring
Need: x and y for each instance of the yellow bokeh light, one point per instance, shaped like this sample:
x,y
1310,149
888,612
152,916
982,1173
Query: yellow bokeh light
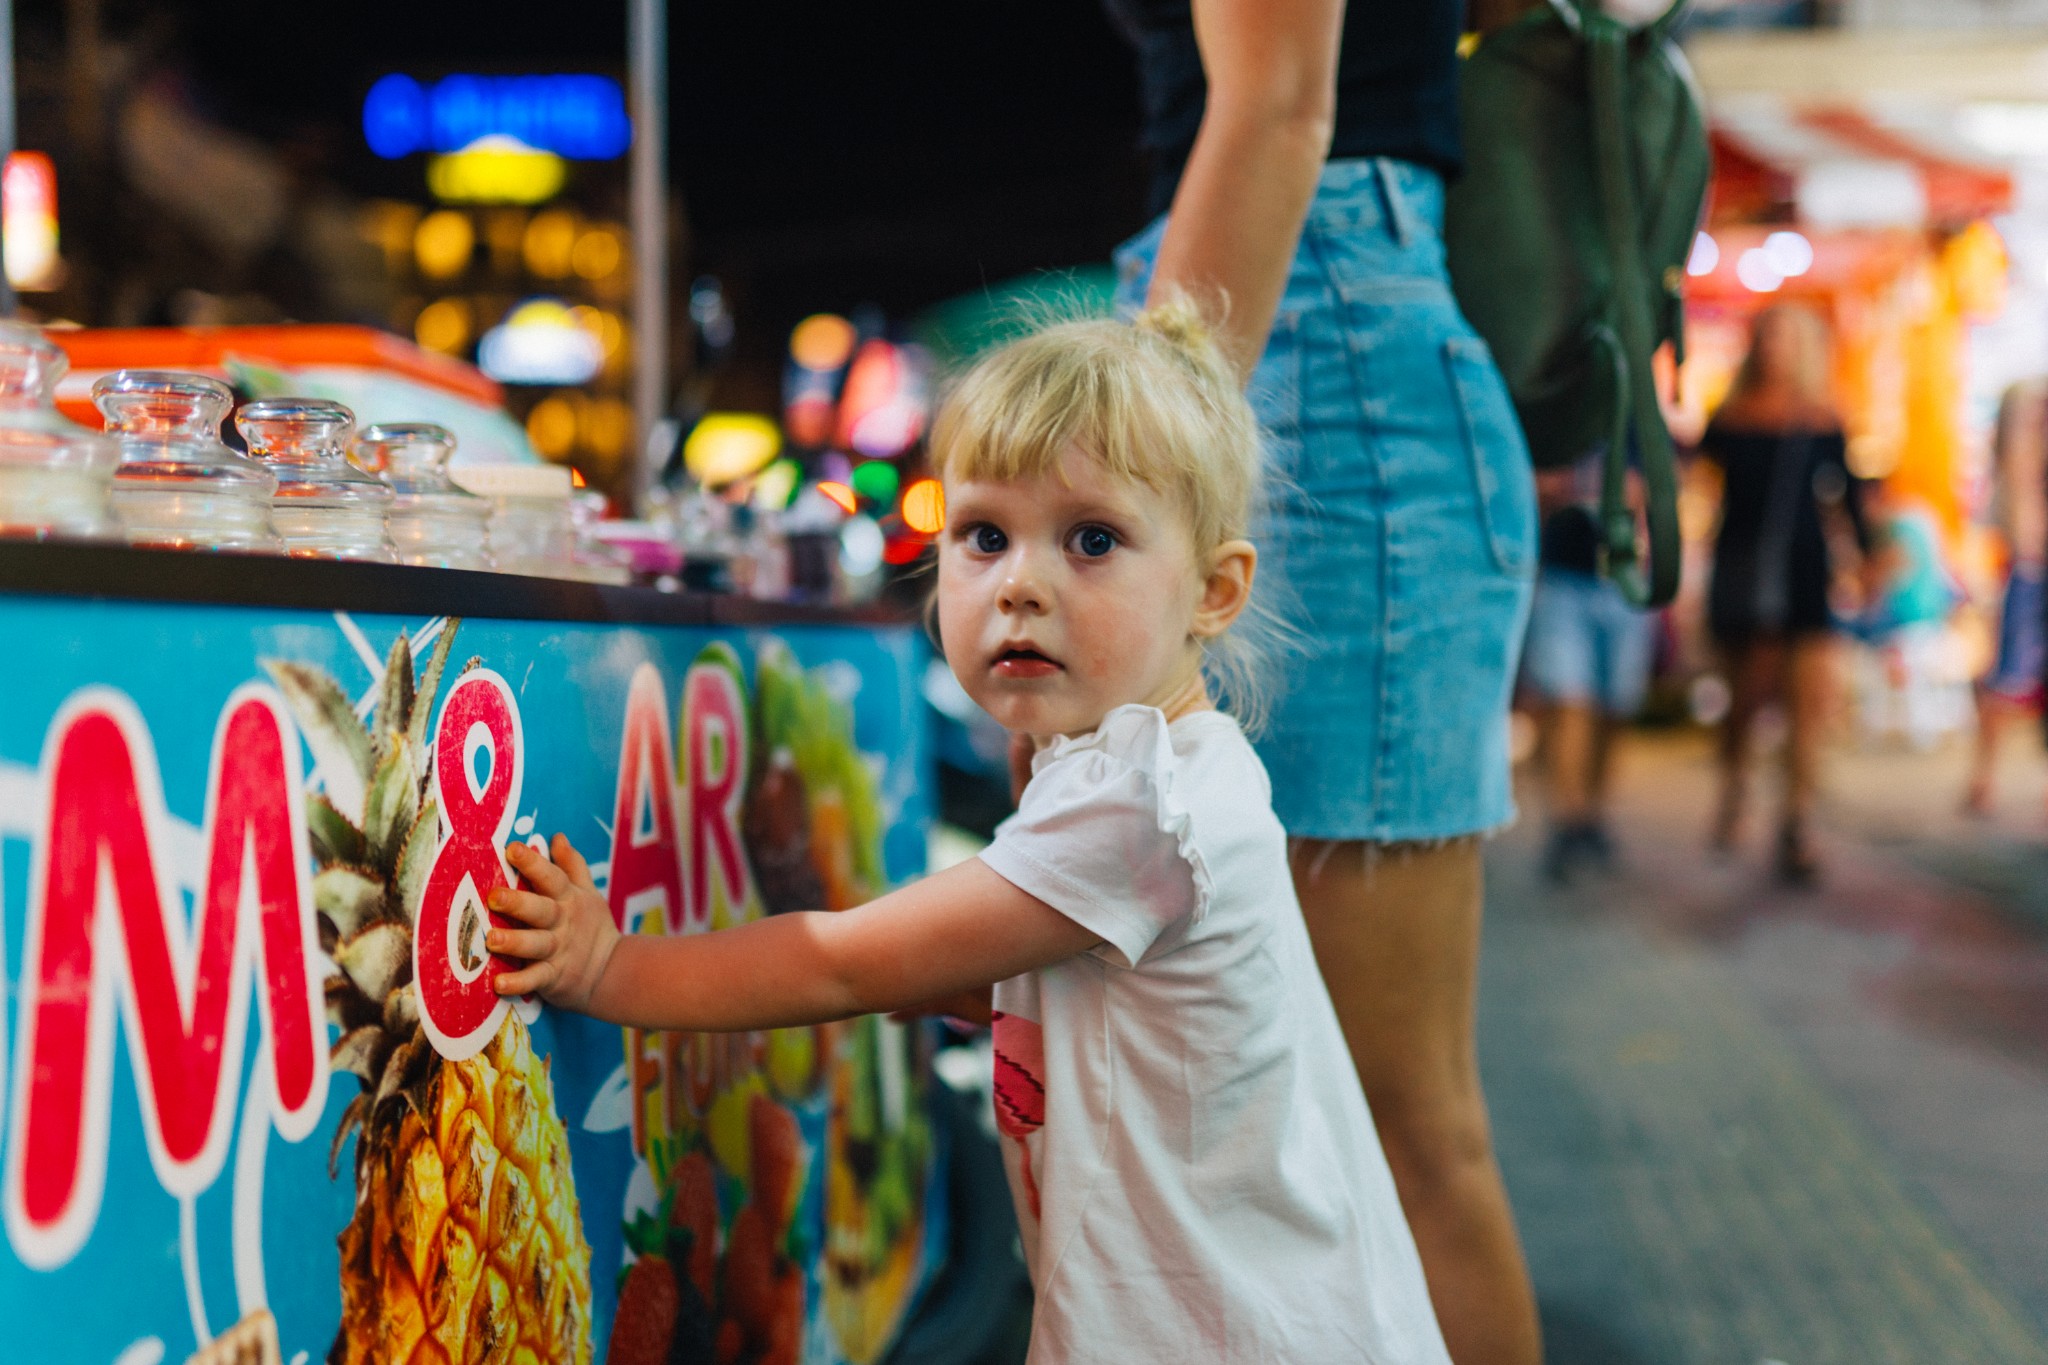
x,y
607,428
551,426
728,446
496,171
605,326
822,341
598,253
551,244
444,325
442,244
924,507
389,226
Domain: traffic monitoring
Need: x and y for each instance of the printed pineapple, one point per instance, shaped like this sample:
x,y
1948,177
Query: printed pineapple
x,y
466,1244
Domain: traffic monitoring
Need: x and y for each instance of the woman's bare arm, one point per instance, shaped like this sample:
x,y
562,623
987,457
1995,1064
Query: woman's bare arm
x,y
1272,98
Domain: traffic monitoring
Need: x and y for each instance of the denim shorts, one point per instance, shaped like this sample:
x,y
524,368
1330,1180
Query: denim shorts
x,y
1400,531
2022,644
1587,644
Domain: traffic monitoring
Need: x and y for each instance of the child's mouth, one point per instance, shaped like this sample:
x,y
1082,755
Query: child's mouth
x,y
1024,663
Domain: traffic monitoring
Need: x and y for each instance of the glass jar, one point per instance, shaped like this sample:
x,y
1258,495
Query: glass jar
x,y
54,474
177,487
325,507
531,527
433,521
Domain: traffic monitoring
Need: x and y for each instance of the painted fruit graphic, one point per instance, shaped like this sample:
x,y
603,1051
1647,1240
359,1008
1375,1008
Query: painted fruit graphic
x,y
466,1244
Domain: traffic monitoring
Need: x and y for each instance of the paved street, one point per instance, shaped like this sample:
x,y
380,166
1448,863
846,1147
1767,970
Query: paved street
x,y
1742,1124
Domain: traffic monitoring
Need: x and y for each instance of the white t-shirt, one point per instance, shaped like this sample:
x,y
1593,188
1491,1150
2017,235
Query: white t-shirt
x,y
1195,1172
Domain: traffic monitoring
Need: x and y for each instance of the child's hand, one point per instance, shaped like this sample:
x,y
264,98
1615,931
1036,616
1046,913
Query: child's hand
x,y
571,934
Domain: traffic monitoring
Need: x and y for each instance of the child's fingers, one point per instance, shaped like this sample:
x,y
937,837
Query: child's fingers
x,y
542,875
531,944
571,862
530,980
538,911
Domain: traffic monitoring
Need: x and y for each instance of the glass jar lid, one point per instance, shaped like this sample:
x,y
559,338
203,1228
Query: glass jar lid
x,y
166,426
33,434
412,457
303,441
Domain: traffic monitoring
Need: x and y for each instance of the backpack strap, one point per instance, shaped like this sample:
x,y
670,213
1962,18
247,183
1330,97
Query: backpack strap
x,y
1607,61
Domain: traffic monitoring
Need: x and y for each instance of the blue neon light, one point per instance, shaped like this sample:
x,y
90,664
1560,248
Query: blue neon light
x,y
580,117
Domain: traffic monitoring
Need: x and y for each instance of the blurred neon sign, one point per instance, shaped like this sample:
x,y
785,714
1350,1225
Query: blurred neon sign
x,y
540,343
28,208
581,117
496,170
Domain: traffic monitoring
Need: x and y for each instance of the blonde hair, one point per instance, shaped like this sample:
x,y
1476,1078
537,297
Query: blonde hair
x,y
1155,401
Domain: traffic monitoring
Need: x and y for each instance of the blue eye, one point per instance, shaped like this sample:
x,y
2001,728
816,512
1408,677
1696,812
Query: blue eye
x,y
989,540
1094,542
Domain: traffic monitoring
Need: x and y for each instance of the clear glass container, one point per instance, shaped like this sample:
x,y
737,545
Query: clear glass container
x,y
597,561
532,528
325,507
434,521
177,486
54,474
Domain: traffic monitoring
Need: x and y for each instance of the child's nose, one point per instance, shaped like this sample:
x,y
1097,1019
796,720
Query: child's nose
x,y
1022,589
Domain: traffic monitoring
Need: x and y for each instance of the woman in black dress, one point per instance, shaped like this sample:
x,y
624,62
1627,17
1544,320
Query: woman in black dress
x,y
1778,440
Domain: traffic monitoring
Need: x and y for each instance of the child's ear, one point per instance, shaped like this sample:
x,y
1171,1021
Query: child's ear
x,y
1227,589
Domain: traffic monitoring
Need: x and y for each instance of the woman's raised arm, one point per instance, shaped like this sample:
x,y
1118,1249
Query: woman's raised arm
x,y
1271,67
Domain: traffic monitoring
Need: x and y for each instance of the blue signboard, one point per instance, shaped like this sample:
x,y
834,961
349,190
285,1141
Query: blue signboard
x,y
581,117
259,1101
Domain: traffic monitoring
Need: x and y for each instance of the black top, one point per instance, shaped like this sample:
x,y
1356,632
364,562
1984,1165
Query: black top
x,y
1771,567
1397,83
1570,540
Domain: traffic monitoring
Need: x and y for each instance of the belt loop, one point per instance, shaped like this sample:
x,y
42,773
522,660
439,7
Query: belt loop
x,y
1400,215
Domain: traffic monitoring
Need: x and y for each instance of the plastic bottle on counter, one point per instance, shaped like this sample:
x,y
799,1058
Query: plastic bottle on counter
x,y
433,520
531,527
55,475
325,507
177,487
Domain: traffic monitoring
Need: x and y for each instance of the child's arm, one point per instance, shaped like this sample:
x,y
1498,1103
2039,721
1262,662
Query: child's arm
x,y
956,930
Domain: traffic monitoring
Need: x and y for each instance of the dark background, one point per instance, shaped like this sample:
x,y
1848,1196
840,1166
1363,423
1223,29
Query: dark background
x,y
823,156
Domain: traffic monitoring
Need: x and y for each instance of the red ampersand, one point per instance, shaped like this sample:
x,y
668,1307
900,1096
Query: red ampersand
x,y
458,1004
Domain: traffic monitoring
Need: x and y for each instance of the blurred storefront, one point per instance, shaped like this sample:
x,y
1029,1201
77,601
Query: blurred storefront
x,y
513,251
1890,179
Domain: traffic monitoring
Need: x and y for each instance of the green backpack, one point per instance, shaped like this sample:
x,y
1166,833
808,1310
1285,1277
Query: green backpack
x,y
1586,168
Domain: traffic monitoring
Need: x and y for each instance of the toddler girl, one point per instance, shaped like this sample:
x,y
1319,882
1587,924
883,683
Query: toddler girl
x,y
1195,1173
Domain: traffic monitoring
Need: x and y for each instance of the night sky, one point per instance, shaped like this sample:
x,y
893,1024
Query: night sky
x,y
825,155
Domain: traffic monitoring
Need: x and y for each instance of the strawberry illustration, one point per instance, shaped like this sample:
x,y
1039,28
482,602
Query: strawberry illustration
x,y
646,1319
775,1149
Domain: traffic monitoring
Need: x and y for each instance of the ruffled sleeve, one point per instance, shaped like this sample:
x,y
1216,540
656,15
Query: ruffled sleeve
x,y
1100,838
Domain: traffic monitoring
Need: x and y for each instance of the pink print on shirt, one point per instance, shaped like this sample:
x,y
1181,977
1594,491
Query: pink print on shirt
x,y
1020,1088
1020,1066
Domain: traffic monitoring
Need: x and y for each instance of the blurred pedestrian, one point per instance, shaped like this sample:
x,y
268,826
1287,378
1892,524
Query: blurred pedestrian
x,y
1913,690
2019,509
1404,523
1587,662
1778,441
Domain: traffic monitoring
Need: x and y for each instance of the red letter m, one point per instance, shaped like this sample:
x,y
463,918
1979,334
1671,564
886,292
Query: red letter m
x,y
105,923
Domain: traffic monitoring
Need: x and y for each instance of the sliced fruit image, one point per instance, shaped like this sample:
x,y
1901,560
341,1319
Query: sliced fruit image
x,y
770,1229
466,1244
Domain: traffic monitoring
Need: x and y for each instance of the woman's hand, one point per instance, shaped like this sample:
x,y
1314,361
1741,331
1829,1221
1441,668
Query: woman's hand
x,y
570,935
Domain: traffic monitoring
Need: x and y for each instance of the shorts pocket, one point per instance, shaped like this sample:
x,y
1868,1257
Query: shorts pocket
x,y
1501,481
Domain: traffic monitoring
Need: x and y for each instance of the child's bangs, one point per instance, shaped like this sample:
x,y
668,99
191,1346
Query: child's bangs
x,y
1014,418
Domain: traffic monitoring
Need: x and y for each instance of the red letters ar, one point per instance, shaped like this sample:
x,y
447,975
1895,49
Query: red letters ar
x,y
105,923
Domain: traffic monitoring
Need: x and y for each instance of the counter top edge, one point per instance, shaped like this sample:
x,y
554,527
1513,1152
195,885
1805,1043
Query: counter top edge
x,y
58,569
